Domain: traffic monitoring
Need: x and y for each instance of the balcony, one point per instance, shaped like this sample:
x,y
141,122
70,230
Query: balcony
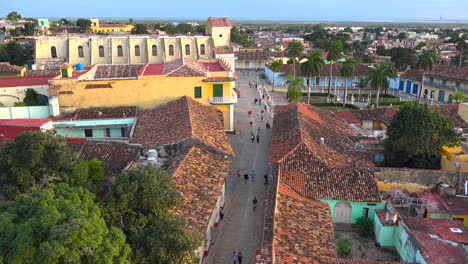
x,y
224,100
440,86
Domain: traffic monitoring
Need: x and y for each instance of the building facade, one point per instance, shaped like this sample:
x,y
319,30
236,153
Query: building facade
x,y
441,82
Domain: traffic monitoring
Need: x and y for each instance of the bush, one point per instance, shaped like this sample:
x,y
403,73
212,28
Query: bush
x,y
335,105
318,94
364,226
344,247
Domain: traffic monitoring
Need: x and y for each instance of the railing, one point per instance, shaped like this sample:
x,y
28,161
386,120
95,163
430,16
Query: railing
x,y
441,86
224,100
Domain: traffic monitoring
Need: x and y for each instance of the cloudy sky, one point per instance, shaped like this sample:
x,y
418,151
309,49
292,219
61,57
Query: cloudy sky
x,y
362,10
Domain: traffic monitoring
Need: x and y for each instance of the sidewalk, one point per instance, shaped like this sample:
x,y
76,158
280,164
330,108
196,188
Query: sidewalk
x,y
242,226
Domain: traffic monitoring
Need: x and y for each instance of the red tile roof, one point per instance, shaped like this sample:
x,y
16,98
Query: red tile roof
x,y
25,122
437,243
303,231
334,170
449,72
219,22
366,261
181,120
10,129
410,74
117,71
25,81
348,116
436,203
7,68
106,112
214,66
153,69
451,110
457,205
199,184
382,215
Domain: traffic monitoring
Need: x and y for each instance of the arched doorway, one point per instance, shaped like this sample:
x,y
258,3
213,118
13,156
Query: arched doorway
x,y
342,212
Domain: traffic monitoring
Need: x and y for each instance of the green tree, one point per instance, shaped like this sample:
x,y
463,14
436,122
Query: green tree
x,y
170,29
381,51
131,22
364,226
13,16
334,54
83,24
462,45
379,77
28,29
200,29
362,84
415,136
294,92
403,57
458,96
140,203
294,50
31,97
311,68
275,66
425,62
64,22
36,159
96,174
185,28
58,224
140,29
349,66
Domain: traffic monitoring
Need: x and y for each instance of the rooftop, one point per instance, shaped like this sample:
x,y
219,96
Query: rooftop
x,y
7,68
200,186
180,120
451,110
184,68
384,114
303,230
366,261
25,81
457,205
411,74
25,122
219,22
449,72
436,203
105,112
117,71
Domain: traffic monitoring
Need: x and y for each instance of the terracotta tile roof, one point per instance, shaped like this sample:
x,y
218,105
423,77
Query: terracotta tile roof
x,y
449,72
457,205
219,22
263,255
213,66
334,170
172,66
106,112
7,68
258,55
348,116
360,70
188,69
435,240
436,203
153,69
366,261
25,81
180,120
303,230
451,110
220,79
115,156
410,74
200,185
383,114
25,122
117,71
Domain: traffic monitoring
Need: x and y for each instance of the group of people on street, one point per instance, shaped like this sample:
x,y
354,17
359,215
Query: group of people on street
x,y
237,258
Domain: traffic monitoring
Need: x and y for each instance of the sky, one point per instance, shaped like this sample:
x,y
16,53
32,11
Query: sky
x,y
303,10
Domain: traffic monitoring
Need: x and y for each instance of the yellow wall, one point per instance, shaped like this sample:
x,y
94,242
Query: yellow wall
x,y
221,36
463,111
146,92
452,155
464,217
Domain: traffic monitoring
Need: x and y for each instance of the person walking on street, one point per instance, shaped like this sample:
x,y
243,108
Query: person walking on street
x,y
258,130
252,137
235,257
258,139
252,176
240,258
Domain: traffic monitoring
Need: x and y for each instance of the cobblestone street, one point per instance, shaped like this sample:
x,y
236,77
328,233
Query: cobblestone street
x,y
242,227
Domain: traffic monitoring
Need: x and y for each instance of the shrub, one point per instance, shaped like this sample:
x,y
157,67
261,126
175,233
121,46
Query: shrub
x,y
344,247
364,226
335,105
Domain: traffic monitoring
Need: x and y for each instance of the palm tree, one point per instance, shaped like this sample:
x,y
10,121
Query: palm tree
x,y
334,54
294,93
461,46
362,84
275,66
425,62
294,50
379,77
347,71
458,95
312,67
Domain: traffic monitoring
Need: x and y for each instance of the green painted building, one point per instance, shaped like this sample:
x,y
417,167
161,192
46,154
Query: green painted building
x,y
95,128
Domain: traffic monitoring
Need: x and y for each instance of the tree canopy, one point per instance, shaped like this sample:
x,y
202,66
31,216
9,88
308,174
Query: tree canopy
x,y
38,159
294,92
15,53
83,24
416,135
140,29
58,224
13,15
140,203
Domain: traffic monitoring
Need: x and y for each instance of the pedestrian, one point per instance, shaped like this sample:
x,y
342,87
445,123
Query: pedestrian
x,y
250,84
263,96
268,126
240,258
252,137
235,257
221,214
249,112
256,85
258,131
265,107
252,175
259,101
261,116
251,123
255,101
238,173
258,139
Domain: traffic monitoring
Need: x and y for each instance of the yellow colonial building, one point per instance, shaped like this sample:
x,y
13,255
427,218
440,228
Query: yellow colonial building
x,y
209,81
96,27
131,49
440,83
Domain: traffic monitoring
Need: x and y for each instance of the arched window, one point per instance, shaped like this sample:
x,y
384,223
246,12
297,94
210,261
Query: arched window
x,y
202,49
101,51
187,49
119,51
137,50
171,50
53,52
80,52
154,50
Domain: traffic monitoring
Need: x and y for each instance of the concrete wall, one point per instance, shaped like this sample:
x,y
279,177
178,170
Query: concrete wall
x,y
406,247
24,112
357,208
384,235
9,96
421,177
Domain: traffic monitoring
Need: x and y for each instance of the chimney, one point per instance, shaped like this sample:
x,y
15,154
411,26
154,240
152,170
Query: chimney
x,y
152,153
322,141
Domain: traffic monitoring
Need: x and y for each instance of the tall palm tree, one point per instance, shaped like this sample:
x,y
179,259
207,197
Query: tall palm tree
x,y
334,54
362,84
425,62
312,67
294,50
379,77
349,66
275,66
461,46
295,84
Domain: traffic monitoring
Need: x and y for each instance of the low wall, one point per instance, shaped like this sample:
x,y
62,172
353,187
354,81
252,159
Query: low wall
x,y
420,177
24,112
